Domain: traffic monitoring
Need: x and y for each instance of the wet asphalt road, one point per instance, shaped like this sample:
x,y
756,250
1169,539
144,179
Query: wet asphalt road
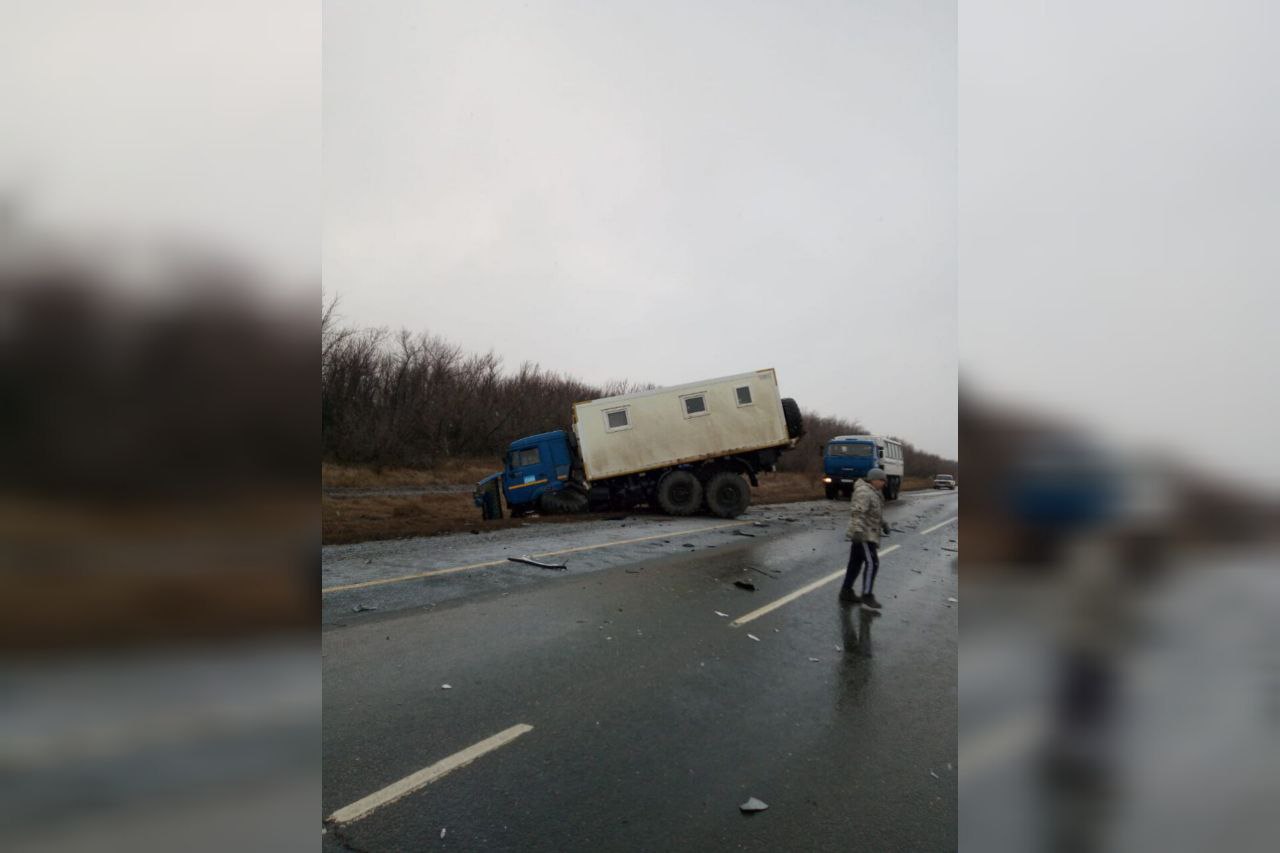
x,y
652,717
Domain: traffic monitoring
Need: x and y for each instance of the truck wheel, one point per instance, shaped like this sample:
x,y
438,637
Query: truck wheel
x,y
564,502
679,493
894,485
791,413
728,494
831,492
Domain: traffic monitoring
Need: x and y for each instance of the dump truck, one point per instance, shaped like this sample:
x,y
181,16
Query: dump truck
x,y
686,449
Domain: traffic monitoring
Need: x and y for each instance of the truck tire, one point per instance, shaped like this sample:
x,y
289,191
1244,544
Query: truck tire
x,y
892,488
564,502
728,494
679,493
791,412
831,492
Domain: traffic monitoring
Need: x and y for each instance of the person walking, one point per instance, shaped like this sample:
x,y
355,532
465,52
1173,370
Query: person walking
x,y
866,524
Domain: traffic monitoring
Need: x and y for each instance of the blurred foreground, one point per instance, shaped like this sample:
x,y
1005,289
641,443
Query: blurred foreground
x,y
159,666
1120,655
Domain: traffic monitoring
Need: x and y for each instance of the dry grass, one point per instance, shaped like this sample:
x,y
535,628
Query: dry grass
x,y
365,518
449,473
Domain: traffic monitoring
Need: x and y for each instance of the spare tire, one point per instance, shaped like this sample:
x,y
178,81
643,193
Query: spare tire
x,y
791,412
679,493
728,494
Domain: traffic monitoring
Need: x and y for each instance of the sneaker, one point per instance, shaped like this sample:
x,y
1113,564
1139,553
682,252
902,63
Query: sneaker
x,y
869,600
848,596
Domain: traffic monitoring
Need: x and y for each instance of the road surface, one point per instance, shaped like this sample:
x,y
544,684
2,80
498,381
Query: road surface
x,y
633,700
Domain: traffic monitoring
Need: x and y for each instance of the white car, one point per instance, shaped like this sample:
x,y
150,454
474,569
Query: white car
x,y
944,481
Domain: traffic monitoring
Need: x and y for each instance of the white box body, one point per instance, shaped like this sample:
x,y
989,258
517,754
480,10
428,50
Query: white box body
x,y
665,427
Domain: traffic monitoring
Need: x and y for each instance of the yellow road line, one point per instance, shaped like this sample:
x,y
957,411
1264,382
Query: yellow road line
x,y
792,596
936,526
450,570
426,775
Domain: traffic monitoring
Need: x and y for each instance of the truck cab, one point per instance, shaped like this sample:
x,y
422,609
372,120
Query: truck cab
x,y
532,465
847,459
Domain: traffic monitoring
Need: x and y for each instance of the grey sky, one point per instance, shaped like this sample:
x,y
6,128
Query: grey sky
x,y
657,191
1120,203
149,120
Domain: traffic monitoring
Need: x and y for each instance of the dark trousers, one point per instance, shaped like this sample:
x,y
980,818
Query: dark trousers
x,y
862,554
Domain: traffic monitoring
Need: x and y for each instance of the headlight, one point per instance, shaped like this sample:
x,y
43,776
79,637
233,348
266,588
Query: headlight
x,y
826,479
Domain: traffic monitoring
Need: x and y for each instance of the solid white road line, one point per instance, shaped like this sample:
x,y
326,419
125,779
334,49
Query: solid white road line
x,y
936,526
792,596
426,775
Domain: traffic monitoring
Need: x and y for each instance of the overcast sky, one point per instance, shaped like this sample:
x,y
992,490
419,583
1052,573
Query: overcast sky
x,y
1119,221
148,120
657,191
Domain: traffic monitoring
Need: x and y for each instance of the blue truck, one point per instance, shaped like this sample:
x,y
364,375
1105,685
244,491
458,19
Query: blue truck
x,y
685,449
848,458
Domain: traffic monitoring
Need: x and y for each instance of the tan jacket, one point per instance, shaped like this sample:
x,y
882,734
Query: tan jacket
x,y
866,515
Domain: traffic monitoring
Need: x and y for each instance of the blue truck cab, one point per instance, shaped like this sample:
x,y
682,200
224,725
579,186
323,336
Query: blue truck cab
x,y
533,465
844,461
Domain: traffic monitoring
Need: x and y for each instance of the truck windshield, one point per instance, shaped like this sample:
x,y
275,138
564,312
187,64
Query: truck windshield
x,y
521,458
849,449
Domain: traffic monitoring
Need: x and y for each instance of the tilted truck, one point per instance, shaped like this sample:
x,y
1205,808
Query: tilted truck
x,y
686,449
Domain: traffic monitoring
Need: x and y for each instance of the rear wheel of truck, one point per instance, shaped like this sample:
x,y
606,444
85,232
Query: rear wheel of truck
x,y
679,493
728,494
791,412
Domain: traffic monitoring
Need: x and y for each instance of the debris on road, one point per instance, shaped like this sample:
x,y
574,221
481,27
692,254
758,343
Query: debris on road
x,y
813,660
741,532
360,608
934,775
725,615
688,545
532,562
954,600
754,637
443,831
446,686
753,805
747,585
634,571
758,524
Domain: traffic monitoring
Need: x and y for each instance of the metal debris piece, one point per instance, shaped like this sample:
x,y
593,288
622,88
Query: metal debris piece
x,y
443,831
741,532
754,637
745,585
360,608
758,524
813,660
725,615
954,600
934,775
446,686
753,805
532,562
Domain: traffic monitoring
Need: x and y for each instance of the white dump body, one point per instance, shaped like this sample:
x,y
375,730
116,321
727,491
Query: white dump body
x,y
631,433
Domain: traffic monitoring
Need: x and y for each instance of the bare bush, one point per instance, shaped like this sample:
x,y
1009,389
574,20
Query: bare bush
x,y
414,401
